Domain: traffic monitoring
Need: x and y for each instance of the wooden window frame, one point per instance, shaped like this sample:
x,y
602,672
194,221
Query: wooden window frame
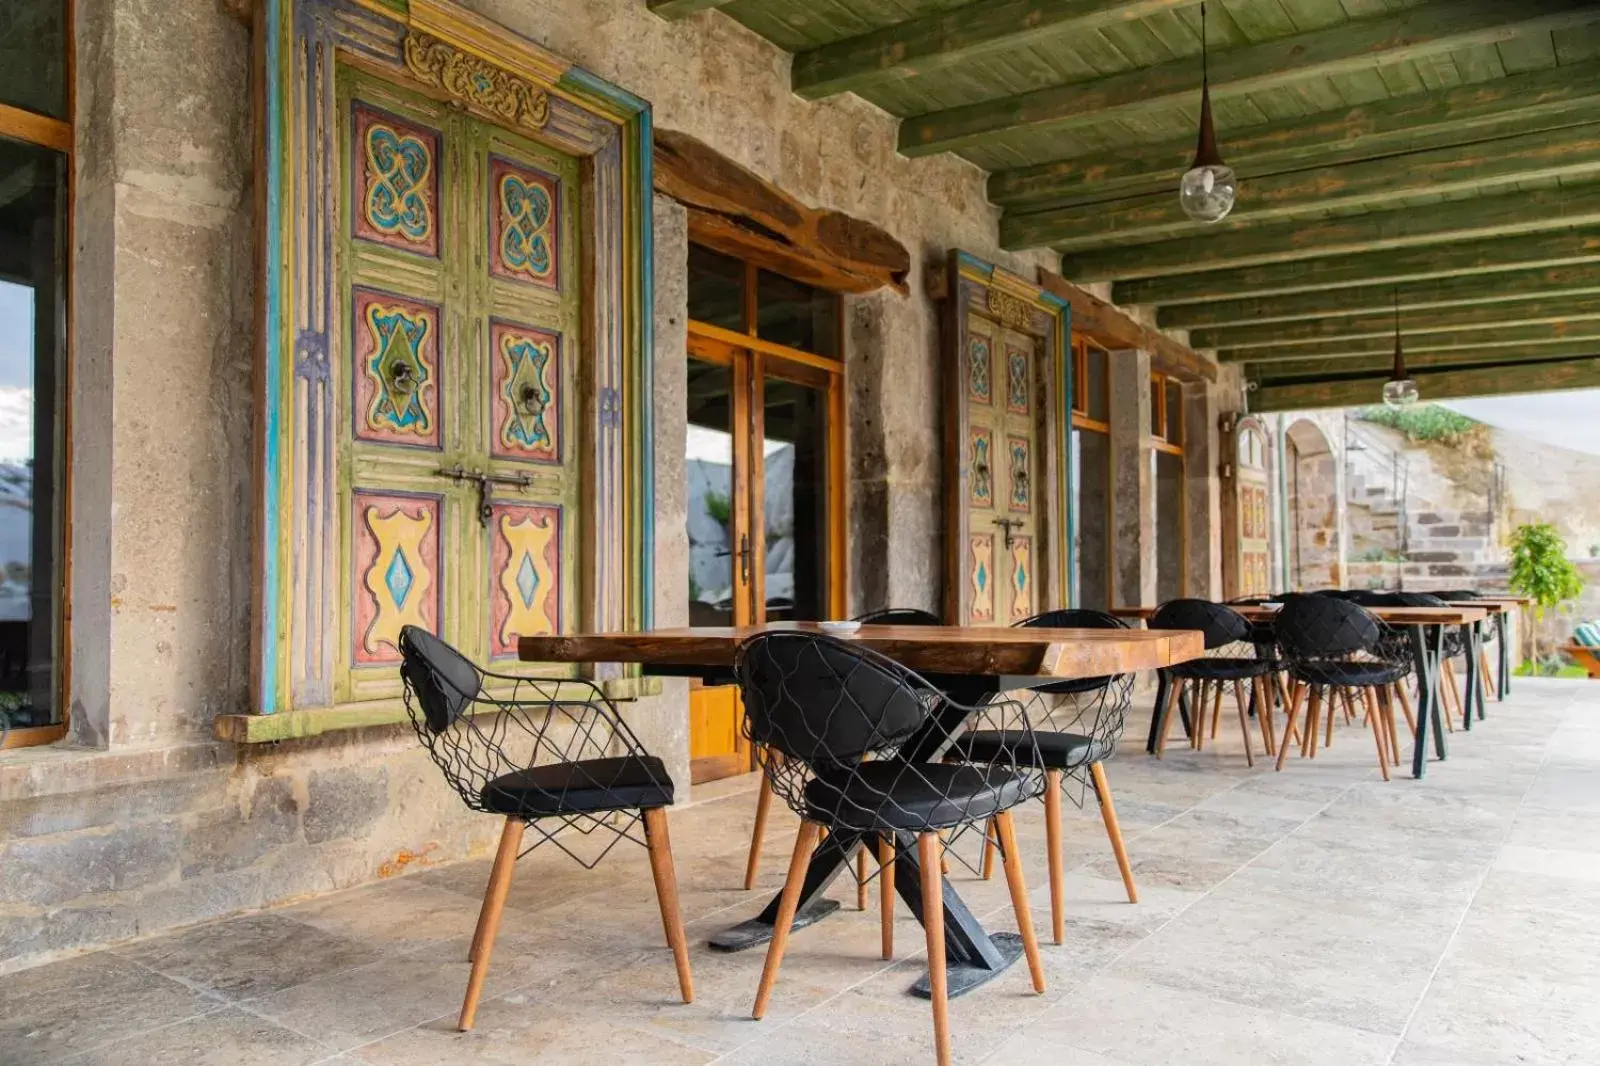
x,y
770,357
1082,421
1161,417
30,127
1080,375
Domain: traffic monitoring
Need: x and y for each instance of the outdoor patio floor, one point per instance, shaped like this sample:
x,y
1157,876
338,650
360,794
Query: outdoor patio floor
x,y
1313,916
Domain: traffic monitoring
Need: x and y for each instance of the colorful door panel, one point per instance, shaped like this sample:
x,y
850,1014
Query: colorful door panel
x,y
461,318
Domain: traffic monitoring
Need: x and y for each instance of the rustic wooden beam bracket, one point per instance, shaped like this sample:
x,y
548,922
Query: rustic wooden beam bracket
x,y
1111,327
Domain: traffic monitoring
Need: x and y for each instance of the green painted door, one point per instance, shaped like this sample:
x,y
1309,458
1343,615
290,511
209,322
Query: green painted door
x,y
457,458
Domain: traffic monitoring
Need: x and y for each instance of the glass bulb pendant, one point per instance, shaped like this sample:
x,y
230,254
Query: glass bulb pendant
x,y
1207,192
1400,393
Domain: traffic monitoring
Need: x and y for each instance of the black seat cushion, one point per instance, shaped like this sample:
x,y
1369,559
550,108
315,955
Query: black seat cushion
x,y
1223,669
1358,674
915,798
1057,751
587,785
1075,687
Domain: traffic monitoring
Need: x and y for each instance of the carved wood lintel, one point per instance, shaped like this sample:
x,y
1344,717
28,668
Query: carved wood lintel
x,y
740,213
473,80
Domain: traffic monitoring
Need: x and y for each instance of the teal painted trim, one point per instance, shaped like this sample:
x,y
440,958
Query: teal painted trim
x,y
580,81
1282,505
1058,303
272,363
987,269
647,370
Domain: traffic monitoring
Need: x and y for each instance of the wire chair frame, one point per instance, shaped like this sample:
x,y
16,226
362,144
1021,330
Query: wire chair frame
x,y
486,731
839,716
899,616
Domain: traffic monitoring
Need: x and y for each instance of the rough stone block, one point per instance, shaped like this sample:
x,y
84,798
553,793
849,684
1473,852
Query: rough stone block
x,y
115,804
229,838
344,802
56,869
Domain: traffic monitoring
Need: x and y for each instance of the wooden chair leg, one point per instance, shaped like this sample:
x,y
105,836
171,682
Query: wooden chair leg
x,y
1216,710
929,853
1019,898
494,904
1293,709
1244,722
944,859
1404,696
666,878
1167,711
763,806
886,890
1386,702
1452,694
1379,733
805,842
861,878
1314,719
1199,702
1296,688
991,845
1108,814
1264,700
1486,674
1057,863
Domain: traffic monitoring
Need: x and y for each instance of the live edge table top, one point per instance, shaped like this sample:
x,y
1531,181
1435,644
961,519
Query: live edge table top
x,y
1025,652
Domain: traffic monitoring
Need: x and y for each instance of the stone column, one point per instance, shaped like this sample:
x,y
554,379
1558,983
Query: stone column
x,y
893,404
1133,559
1202,496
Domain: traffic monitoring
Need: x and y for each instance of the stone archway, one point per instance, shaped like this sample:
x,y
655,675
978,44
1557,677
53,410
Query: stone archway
x,y
1315,552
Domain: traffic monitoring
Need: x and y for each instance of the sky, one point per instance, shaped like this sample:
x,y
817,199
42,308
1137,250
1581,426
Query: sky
x,y
16,372
1565,419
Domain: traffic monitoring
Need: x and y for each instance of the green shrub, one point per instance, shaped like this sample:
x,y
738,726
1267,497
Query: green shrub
x,y
719,507
1423,423
1540,570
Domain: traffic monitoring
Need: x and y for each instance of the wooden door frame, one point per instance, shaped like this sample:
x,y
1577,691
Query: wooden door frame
x,y
969,284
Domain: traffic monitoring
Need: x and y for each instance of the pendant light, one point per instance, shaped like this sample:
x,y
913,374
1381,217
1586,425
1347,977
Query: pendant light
x,y
1399,390
1207,190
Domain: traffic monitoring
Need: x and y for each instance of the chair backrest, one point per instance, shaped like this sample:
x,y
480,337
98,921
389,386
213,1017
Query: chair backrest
x,y
824,701
1220,623
443,679
1325,627
1072,618
899,616
1456,595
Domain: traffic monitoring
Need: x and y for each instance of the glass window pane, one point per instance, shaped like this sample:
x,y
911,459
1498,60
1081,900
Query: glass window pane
x,y
796,315
1157,427
795,454
1098,385
1091,457
33,56
1168,479
1174,412
709,455
716,289
32,321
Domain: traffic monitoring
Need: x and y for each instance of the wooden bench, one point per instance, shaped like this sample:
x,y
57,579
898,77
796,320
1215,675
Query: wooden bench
x,y
1588,658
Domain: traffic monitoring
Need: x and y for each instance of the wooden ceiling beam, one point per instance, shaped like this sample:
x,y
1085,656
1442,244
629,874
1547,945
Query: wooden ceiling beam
x,y
1430,29
1487,316
1468,290
1383,347
1280,373
1224,246
1113,328
1579,373
1478,259
1521,103
937,42
1484,168
682,9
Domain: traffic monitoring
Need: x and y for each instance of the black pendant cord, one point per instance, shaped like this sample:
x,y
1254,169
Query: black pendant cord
x,y
1206,153
1399,371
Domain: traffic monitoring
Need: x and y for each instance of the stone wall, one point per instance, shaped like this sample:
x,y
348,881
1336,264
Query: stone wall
x,y
143,821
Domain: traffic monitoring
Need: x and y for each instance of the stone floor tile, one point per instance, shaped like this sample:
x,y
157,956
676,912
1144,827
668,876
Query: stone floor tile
x,y
1149,1025
1544,1023
229,1037
391,917
250,956
50,1012
1565,863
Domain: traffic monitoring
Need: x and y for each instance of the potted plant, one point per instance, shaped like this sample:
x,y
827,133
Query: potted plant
x,y
1541,571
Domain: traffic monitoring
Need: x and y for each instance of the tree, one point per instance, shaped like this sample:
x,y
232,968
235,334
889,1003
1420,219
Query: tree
x,y
1541,571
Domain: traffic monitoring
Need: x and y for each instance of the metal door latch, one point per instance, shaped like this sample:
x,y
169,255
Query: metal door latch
x,y
485,482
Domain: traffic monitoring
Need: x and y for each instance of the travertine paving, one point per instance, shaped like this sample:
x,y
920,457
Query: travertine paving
x,y
1315,916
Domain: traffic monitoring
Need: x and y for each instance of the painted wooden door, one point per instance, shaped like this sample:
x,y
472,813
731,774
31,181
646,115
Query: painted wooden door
x,y
457,467
1000,373
1253,535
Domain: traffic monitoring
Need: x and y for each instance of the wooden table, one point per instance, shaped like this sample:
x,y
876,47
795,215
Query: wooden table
x,y
1426,626
969,664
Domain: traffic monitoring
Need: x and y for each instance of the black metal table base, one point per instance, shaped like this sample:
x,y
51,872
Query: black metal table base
x,y
962,977
756,932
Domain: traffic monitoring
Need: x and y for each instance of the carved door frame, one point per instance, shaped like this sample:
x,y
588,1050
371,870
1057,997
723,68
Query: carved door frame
x,y
442,50
1236,522
968,284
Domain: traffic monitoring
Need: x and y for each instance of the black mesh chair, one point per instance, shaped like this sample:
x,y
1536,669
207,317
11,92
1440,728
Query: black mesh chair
x,y
1077,725
839,716
1230,660
889,616
545,754
1333,649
